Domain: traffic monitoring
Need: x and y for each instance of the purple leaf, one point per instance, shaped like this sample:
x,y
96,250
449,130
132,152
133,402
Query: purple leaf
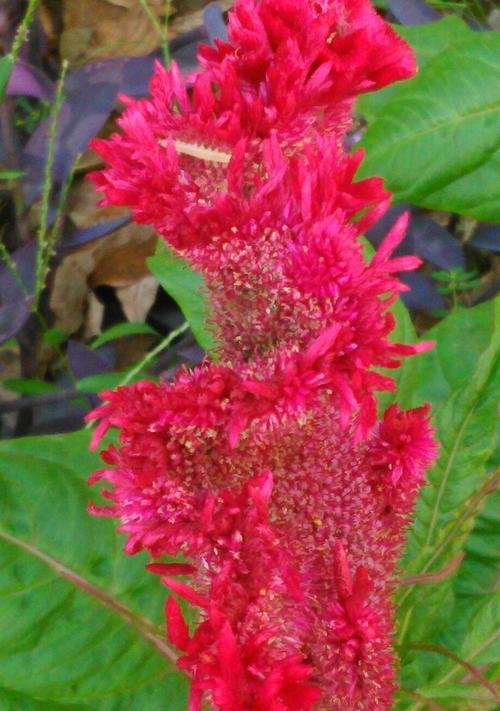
x,y
25,259
486,237
90,234
84,361
379,230
213,21
192,354
422,294
434,243
26,80
90,95
413,12
425,238
13,316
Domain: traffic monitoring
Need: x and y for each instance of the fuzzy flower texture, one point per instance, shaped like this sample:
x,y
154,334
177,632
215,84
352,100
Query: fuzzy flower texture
x,y
264,486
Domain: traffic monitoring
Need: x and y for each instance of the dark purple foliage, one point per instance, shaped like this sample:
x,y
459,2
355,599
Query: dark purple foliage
x,y
422,294
425,238
430,241
486,236
24,259
434,243
13,316
26,80
84,361
213,21
412,12
90,95
90,234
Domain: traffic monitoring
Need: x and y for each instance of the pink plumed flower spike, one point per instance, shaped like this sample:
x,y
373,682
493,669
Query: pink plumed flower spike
x,y
272,499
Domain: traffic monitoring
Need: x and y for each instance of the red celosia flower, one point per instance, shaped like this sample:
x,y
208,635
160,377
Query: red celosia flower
x,y
269,471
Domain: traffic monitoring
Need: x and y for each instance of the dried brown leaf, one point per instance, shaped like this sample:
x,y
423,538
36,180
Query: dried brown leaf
x,y
117,260
100,29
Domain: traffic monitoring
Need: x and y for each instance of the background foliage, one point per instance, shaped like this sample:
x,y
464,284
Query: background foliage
x,y
81,624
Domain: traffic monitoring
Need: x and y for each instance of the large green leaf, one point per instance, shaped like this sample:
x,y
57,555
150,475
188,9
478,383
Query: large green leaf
x,y
480,571
465,422
75,610
404,332
459,341
186,288
405,377
437,141
450,682
427,41
459,377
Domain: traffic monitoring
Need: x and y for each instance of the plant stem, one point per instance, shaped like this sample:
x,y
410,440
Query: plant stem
x,y
56,227
12,267
44,249
162,31
22,30
152,354
142,364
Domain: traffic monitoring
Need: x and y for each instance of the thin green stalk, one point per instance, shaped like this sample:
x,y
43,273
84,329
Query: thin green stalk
x,y
22,30
162,31
12,267
43,251
56,227
7,62
142,364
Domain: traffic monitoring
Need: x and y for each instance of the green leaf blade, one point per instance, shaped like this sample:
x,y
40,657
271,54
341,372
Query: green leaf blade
x,y
75,610
6,67
186,287
460,379
437,142
121,330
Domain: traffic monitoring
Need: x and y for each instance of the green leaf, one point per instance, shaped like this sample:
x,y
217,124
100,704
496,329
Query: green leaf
x,y
479,647
75,611
123,329
186,288
29,386
404,332
459,378
10,174
460,339
437,142
448,505
406,376
427,41
12,701
105,381
480,571
54,336
6,66
455,693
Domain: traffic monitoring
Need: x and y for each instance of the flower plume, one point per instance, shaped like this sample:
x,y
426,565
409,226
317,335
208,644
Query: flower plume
x,y
269,472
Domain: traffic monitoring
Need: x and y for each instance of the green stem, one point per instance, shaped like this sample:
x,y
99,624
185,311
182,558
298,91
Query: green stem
x,y
22,30
162,31
44,249
12,267
152,354
142,364
56,227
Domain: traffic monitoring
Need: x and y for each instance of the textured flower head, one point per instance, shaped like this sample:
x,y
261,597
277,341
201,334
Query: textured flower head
x,y
269,472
